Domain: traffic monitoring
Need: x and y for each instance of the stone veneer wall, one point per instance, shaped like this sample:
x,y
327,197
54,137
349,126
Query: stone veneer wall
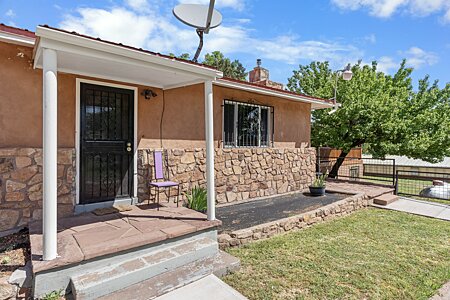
x,y
21,186
241,173
267,230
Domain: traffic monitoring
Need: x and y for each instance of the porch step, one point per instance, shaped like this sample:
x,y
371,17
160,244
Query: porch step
x,y
385,199
203,289
219,265
124,274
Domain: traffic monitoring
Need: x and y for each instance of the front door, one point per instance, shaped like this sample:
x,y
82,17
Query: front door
x,y
106,143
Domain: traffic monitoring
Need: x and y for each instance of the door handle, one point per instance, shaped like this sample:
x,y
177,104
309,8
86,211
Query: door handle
x,y
128,147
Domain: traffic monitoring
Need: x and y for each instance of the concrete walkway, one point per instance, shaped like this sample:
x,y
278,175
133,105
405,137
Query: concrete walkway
x,y
209,287
421,208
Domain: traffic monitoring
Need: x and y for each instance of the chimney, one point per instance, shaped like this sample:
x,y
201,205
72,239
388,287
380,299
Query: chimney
x,y
260,76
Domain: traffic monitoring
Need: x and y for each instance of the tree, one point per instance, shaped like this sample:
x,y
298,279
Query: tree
x,y
232,69
185,56
428,131
379,110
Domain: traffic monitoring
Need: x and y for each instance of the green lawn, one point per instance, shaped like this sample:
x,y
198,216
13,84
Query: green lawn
x,y
371,254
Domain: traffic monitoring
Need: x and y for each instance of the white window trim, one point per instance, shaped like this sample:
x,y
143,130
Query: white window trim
x,y
77,131
269,124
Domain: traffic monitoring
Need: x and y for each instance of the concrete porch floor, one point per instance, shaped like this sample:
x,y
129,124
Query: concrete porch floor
x,y
88,236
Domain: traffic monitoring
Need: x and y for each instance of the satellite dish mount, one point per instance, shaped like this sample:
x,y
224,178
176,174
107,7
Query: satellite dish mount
x,y
201,17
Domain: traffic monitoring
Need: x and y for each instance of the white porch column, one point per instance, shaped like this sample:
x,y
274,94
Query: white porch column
x,y
50,153
209,130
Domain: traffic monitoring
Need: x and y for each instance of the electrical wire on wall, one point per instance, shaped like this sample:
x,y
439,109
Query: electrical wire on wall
x,y
161,120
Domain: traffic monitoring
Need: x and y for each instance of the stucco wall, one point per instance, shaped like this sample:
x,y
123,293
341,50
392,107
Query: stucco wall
x,y
183,118
241,173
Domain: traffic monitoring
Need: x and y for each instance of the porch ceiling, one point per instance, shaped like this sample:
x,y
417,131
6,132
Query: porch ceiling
x,y
96,58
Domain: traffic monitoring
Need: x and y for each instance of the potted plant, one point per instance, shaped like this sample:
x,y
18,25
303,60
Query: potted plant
x,y
317,188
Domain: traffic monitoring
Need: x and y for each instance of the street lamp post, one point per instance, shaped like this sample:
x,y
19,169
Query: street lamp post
x,y
347,75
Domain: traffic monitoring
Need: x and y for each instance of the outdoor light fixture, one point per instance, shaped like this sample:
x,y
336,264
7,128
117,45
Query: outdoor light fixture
x,y
148,94
347,75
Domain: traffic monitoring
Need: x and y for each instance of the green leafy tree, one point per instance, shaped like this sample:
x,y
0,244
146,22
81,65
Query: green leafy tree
x,y
232,69
427,122
379,110
185,56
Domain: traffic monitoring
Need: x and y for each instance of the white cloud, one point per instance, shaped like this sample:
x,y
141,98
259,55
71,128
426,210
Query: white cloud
x,y
162,33
117,24
238,5
386,8
10,13
138,5
386,64
417,57
371,38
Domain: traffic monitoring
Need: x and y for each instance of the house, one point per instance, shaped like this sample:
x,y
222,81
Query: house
x,y
80,118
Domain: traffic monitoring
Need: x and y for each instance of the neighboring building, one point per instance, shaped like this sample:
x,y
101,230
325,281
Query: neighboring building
x,y
115,104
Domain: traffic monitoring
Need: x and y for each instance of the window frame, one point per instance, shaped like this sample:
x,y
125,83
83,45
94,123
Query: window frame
x,y
270,124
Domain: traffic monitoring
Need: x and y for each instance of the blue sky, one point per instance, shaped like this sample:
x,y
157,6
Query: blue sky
x,y
283,34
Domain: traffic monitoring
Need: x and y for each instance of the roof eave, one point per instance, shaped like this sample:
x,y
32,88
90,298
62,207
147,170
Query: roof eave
x,y
51,34
17,39
315,104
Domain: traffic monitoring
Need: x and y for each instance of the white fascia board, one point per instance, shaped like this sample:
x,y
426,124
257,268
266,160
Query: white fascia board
x,y
16,39
175,86
105,47
315,104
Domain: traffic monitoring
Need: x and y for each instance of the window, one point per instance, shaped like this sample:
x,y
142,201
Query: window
x,y
246,125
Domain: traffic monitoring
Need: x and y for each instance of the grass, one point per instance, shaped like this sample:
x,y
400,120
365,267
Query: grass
x,y
371,254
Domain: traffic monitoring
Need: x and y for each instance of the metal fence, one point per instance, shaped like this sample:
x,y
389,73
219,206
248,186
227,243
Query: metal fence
x,y
369,170
423,184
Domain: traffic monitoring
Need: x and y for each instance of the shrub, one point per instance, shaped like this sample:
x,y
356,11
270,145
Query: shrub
x,y
55,295
196,199
320,180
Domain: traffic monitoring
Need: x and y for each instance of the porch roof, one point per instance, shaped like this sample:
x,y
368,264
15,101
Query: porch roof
x,y
316,103
88,56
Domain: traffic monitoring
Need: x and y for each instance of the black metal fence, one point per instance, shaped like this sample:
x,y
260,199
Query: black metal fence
x,y
369,170
423,184
418,184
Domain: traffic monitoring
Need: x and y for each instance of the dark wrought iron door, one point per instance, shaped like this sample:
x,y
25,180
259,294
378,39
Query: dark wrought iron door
x,y
106,143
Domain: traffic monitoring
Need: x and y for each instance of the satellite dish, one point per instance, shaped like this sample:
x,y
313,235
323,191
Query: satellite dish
x,y
201,17
196,15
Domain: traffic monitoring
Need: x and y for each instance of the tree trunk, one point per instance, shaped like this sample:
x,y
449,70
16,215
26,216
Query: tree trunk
x,y
334,171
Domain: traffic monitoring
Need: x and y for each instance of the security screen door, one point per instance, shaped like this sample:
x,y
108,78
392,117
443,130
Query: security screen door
x,y
106,143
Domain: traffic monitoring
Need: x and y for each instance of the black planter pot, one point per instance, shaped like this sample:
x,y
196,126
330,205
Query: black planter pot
x,y
317,191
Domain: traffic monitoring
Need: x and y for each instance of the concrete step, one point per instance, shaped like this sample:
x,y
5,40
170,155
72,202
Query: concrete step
x,y
219,265
203,289
115,277
385,199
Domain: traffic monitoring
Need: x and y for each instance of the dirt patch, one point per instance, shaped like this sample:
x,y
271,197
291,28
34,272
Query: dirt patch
x,y
252,213
14,252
